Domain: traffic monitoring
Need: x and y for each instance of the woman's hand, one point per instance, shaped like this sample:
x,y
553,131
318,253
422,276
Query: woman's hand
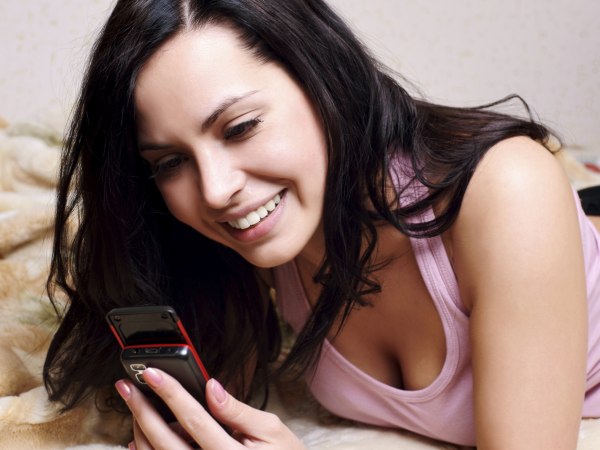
x,y
252,428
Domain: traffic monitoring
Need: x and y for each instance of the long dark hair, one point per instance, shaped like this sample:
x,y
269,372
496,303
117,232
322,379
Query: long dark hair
x,y
128,250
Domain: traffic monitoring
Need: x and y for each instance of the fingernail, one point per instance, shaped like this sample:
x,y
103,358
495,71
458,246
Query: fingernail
x,y
218,392
152,377
123,389
132,446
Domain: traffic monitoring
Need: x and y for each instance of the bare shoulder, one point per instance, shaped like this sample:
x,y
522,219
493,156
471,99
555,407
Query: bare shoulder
x,y
518,163
514,174
518,201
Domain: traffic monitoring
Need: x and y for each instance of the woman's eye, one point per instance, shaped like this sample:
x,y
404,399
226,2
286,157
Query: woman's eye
x,y
241,129
167,165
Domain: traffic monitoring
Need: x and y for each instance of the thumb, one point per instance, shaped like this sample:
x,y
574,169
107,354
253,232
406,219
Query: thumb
x,y
237,415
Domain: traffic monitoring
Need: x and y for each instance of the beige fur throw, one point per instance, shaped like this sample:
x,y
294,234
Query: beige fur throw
x,y
28,163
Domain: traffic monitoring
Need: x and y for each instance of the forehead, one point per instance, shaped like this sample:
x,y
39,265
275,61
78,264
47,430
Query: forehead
x,y
210,56
195,70
206,42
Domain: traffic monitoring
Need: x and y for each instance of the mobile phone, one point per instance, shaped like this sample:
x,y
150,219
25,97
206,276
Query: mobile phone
x,y
154,336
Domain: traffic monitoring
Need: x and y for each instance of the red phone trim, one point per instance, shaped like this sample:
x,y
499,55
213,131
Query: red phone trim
x,y
156,345
114,331
193,349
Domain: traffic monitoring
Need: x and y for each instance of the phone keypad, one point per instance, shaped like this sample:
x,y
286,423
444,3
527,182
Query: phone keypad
x,y
138,369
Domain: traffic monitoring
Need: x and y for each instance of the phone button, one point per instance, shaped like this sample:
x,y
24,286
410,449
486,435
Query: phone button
x,y
140,378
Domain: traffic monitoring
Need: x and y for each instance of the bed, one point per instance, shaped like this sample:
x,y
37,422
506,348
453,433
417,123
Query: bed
x,y
29,154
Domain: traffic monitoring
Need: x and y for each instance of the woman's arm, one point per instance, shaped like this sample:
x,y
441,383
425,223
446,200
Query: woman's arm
x,y
518,258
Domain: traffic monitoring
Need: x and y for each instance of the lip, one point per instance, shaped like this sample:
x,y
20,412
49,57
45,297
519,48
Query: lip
x,y
244,212
260,229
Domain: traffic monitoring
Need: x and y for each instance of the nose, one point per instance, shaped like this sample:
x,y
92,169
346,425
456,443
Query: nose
x,y
219,177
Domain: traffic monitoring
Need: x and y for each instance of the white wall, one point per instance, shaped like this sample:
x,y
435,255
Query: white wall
x,y
475,51
459,52
43,44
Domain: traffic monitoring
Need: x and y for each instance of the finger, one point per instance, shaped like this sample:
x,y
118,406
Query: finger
x,y
155,430
247,421
177,428
140,442
190,414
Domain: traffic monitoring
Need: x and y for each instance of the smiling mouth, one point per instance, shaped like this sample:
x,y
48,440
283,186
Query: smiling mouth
x,y
253,218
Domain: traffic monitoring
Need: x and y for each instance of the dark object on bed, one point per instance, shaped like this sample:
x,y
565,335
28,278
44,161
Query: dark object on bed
x,y
590,200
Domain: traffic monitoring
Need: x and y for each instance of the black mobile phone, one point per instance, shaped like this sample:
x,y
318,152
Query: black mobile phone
x,y
154,336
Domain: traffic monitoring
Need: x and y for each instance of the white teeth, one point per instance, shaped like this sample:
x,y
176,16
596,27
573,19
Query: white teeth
x,y
253,218
256,216
243,223
270,206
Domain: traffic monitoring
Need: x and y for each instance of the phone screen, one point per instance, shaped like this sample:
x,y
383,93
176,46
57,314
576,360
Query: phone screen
x,y
146,325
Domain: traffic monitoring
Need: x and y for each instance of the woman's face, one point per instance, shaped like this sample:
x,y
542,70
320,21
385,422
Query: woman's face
x,y
237,149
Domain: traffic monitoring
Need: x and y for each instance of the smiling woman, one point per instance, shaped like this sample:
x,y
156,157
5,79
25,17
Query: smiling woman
x,y
232,137
224,149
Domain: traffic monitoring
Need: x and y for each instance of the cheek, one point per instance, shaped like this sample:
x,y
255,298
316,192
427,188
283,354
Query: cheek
x,y
300,148
179,201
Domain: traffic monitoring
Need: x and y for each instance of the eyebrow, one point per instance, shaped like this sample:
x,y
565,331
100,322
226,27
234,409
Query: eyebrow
x,y
222,108
208,122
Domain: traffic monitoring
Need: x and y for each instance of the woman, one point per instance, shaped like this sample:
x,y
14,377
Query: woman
x,y
432,260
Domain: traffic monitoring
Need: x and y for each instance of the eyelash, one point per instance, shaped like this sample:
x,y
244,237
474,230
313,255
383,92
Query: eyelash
x,y
167,167
239,130
232,133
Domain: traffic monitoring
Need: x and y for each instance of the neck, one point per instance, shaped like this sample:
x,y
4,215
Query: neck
x,y
311,257
391,245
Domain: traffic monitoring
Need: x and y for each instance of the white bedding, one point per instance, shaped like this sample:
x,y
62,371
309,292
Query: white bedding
x,y
28,162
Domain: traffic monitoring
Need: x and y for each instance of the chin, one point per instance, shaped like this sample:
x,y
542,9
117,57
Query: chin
x,y
268,260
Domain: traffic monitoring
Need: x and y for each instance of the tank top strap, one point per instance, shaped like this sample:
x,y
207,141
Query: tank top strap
x,y
430,253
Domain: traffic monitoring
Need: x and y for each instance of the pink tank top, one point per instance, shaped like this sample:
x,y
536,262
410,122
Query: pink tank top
x,y
443,410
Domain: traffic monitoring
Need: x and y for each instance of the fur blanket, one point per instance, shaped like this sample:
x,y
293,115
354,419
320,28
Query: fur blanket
x,y
28,164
